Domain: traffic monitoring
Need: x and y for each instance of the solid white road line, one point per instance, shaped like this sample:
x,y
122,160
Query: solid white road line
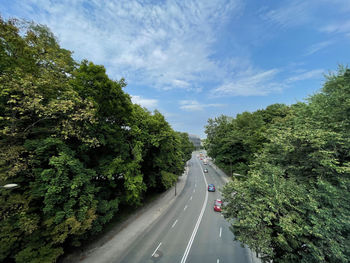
x,y
156,249
185,207
191,198
220,231
174,223
183,260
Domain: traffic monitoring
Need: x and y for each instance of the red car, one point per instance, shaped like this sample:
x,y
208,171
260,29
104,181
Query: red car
x,y
217,205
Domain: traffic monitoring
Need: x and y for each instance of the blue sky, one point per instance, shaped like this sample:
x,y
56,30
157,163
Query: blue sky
x,y
197,59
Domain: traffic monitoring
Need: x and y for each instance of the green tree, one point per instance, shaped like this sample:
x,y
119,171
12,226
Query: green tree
x,y
186,146
76,145
116,159
294,204
232,142
162,150
40,113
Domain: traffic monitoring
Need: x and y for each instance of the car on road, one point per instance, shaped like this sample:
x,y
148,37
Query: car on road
x,y
211,188
205,170
217,205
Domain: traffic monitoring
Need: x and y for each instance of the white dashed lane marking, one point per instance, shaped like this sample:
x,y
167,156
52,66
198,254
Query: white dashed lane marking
x,y
174,223
156,249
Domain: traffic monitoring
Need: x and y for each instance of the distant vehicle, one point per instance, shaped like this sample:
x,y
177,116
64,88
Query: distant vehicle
x,y
205,162
211,188
217,205
205,170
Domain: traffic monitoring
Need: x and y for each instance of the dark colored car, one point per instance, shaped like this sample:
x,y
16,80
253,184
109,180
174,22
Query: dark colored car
x,y
205,170
211,188
217,205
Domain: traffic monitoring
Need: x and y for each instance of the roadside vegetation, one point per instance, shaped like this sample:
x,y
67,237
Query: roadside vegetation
x,y
76,145
289,199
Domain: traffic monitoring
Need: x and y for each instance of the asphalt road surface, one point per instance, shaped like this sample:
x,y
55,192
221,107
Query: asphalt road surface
x,y
191,231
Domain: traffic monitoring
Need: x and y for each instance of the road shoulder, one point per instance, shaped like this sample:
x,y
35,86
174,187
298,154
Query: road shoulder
x,y
116,242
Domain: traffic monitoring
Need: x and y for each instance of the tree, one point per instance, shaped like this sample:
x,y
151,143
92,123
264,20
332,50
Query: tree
x,y
294,204
76,145
162,154
39,114
186,146
232,142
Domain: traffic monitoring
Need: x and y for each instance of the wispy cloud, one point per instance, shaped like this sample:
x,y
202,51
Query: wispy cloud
x,y
343,5
166,45
316,73
249,83
338,27
193,105
317,47
148,103
294,13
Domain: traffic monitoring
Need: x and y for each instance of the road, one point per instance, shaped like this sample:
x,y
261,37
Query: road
x,y
191,231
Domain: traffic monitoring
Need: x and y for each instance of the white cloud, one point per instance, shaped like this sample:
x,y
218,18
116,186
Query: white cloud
x,y
300,12
190,105
249,83
294,13
148,103
316,73
193,105
339,27
317,47
166,45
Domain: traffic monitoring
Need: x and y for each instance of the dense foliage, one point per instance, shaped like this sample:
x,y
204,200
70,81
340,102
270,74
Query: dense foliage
x,y
233,142
76,145
293,202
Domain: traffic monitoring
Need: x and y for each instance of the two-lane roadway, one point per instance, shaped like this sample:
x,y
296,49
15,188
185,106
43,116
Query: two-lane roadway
x,y
190,231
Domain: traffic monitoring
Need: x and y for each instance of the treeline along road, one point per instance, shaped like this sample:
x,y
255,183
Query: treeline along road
x,y
76,145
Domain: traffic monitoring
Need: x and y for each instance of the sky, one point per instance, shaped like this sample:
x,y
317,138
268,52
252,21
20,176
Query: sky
x,y
198,59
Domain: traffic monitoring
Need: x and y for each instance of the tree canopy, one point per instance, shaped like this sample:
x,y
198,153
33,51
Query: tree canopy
x,y
75,143
292,203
